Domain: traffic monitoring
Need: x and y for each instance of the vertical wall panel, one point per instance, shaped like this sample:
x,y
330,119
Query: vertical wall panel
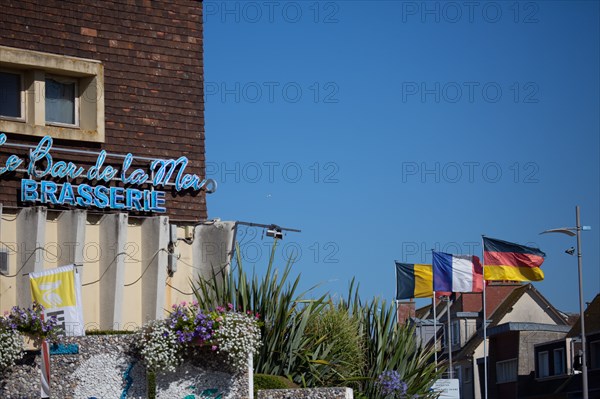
x,y
31,238
113,236
155,239
71,237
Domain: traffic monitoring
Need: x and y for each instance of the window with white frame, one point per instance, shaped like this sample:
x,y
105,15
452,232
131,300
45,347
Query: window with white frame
x,y
543,364
558,358
62,103
506,371
49,94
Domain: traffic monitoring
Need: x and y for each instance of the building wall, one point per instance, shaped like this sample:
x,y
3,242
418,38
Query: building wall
x,y
124,266
503,347
527,309
151,54
529,339
530,309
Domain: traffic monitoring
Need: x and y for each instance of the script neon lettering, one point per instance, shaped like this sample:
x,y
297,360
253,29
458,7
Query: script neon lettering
x,y
96,173
62,169
138,176
42,151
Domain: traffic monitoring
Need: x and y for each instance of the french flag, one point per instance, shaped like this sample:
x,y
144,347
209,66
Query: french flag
x,y
457,273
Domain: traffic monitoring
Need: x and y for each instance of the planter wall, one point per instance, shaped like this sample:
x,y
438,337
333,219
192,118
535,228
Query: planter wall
x,y
103,367
316,393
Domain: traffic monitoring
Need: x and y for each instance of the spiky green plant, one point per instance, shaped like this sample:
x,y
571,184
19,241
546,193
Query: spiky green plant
x,y
292,348
389,346
287,350
342,330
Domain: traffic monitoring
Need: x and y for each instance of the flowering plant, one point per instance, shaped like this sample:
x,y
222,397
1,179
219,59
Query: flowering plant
x,y
238,335
32,323
161,343
189,323
159,346
391,385
19,322
11,345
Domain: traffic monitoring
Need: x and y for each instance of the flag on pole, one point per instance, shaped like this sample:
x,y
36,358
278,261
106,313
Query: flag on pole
x,y
503,260
413,281
45,369
59,291
457,273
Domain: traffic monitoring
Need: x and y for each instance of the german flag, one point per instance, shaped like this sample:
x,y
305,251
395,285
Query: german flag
x,y
413,281
503,260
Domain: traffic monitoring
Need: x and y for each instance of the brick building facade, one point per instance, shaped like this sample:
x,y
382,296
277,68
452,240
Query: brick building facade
x,y
151,57
85,86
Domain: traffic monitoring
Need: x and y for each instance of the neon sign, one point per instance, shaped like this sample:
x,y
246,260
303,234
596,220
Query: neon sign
x,y
138,195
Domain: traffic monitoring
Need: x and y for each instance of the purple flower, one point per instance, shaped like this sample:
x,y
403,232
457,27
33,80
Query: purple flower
x,y
391,384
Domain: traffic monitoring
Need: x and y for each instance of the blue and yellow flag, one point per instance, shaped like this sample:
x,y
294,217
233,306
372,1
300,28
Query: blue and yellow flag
x,y
413,281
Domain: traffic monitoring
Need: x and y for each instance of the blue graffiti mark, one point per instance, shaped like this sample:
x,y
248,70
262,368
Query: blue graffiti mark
x,y
206,394
128,380
61,349
212,393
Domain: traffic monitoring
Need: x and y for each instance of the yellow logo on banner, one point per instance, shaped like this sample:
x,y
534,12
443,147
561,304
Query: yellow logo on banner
x,y
55,290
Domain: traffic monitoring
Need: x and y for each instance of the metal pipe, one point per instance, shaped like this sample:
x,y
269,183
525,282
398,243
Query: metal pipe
x,y
581,308
449,338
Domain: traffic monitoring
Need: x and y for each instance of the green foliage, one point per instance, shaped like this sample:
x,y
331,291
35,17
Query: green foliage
x,y
315,342
389,346
286,348
265,381
151,384
342,331
32,323
108,332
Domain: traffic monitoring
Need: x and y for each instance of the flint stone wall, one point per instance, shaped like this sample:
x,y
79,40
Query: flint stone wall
x,y
316,393
105,368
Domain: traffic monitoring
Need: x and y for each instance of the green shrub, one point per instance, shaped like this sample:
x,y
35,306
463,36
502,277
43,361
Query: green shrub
x,y
265,381
286,348
108,332
347,356
316,342
389,346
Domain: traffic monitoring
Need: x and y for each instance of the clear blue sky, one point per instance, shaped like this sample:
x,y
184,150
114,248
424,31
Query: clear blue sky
x,y
383,129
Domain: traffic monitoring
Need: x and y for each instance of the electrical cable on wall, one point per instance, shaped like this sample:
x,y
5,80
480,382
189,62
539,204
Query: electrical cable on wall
x,y
26,260
178,290
108,267
147,266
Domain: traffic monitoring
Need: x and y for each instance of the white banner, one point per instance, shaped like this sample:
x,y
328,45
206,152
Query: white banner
x,y
59,291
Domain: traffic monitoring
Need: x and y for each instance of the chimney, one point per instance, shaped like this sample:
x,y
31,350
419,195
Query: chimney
x,y
405,310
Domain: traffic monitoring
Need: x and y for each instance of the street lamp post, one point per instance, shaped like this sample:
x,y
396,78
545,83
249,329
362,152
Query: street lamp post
x,y
569,231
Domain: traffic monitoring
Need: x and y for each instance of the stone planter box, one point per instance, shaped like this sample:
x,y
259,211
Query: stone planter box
x,y
316,393
103,367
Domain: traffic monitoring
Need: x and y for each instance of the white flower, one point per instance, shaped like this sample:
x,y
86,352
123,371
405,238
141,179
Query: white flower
x,y
11,347
239,336
158,346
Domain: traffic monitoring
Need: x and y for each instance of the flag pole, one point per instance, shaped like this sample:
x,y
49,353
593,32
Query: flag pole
x,y
435,332
485,354
449,336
